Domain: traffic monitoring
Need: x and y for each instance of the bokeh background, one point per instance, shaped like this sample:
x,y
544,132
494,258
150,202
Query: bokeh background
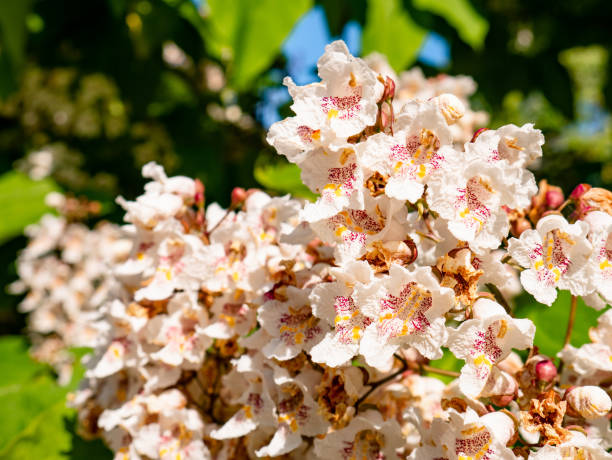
x,y
92,90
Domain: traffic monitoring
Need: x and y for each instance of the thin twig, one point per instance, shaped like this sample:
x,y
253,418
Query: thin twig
x,y
382,381
435,370
227,213
570,321
499,297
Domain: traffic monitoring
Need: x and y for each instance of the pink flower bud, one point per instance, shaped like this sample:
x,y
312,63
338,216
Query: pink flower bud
x,y
238,196
546,371
554,197
199,192
579,191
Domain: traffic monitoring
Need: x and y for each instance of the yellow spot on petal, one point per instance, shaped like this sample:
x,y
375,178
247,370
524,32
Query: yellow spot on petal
x,y
332,114
482,360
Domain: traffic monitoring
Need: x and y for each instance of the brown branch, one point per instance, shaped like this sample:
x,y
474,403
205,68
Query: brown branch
x,y
570,321
382,381
435,370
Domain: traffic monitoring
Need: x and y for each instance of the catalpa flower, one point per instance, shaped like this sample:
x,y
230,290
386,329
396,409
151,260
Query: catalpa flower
x,y
232,316
407,308
337,177
578,447
552,254
408,158
335,303
352,90
296,412
486,340
470,195
354,229
181,264
367,437
180,332
291,324
519,147
328,112
257,406
599,266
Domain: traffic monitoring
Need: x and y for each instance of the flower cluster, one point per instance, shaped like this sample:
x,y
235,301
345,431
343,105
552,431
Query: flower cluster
x,y
66,271
306,330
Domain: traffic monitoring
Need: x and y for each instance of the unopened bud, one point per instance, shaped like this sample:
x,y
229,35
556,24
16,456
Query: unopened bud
x,y
579,191
238,196
389,91
554,197
518,226
546,371
199,192
589,401
451,107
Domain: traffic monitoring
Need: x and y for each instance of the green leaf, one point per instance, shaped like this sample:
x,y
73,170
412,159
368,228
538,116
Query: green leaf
x,y
551,322
13,32
37,423
248,35
281,176
391,31
22,201
460,14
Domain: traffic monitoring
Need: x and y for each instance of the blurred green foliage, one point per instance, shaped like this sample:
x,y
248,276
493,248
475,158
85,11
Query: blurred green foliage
x,y
38,423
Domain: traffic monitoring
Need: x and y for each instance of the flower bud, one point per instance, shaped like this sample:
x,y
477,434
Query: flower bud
x,y
589,401
199,192
545,371
518,226
554,197
451,107
580,190
238,196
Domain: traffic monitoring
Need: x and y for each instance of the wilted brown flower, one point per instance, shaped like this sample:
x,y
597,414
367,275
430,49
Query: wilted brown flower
x,y
545,415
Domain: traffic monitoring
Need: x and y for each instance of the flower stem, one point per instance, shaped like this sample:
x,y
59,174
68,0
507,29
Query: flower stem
x,y
435,370
570,321
382,381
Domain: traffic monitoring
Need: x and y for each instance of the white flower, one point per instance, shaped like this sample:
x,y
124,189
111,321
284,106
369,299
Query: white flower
x,y
296,412
257,405
352,90
519,147
329,112
470,195
589,401
578,447
335,303
339,180
552,254
232,316
407,308
180,333
467,436
354,229
291,324
409,157
599,266
366,437
486,340
181,264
